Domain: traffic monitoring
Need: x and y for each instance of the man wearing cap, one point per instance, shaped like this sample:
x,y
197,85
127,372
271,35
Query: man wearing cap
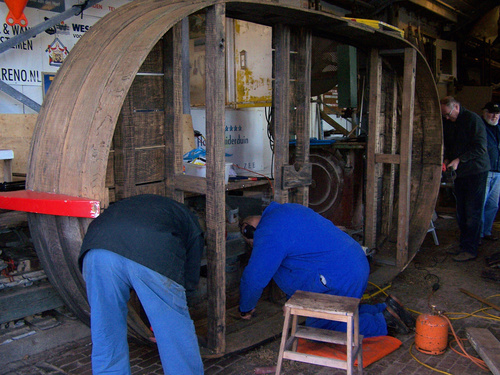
x,y
466,155
491,114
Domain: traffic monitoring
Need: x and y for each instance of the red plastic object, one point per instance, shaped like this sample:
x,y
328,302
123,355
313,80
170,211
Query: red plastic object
x,y
49,204
16,12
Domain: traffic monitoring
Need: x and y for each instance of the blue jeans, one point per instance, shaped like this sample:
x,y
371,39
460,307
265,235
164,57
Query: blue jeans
x,y
469,195
491,202
109,278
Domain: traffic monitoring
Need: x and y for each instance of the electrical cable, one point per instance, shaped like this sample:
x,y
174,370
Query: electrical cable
x,y
260,174
478,362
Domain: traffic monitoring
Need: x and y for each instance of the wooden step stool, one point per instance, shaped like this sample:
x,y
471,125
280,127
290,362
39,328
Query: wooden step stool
x,y
323,306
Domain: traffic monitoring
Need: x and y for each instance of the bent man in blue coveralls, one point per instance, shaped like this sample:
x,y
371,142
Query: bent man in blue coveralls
x,y
153,245
301,250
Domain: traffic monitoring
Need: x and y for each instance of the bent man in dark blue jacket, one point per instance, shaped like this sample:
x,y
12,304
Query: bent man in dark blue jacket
x,y
301,250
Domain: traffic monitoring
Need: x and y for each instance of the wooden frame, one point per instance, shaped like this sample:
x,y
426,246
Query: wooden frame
x,y
74,130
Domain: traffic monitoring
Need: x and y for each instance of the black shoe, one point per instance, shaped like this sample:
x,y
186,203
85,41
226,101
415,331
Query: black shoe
x,y
403,314
454,250
490,237
394,323
464,257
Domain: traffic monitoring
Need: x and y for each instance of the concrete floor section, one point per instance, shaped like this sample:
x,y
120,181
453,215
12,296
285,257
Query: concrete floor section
x,y
432,278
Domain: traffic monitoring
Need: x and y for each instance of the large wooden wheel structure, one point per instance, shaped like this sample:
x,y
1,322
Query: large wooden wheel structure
x,y
74,131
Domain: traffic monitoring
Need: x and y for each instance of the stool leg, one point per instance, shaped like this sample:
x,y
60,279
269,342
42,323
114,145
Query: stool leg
x,y
360,359
283,340
357,342
350,360
295,343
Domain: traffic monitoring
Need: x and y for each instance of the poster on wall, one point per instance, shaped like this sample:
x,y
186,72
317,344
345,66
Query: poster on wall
x,y
24,66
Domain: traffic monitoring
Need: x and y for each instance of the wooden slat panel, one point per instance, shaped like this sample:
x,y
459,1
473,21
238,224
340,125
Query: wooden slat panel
x,y
147,92
150,165
154,61
373,136
215,207
282,101
410,64
149,128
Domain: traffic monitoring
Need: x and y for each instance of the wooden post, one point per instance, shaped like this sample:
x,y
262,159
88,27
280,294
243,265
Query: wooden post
x,y
390,179
173,109
215,207
374,125
410,64
302,93
281,103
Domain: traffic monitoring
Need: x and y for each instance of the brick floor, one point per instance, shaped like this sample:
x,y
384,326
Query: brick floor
x,y
413,286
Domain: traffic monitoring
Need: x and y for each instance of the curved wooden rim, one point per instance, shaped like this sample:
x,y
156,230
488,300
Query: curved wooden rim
x,y
72,138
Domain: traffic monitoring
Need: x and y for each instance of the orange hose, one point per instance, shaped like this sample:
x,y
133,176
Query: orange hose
x,y
478,362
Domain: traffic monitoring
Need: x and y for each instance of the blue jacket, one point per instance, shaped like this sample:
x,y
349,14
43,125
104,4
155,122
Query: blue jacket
x,y
301,250
493,138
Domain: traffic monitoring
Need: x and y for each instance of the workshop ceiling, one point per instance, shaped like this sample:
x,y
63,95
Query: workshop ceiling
x,y
458,16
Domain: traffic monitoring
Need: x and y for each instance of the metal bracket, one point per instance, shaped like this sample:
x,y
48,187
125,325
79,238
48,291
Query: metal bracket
x,y
293,178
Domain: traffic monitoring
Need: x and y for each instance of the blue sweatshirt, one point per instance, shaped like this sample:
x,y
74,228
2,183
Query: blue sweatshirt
x,y
301,250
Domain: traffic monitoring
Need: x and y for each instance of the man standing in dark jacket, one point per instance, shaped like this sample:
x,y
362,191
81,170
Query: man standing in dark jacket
x,y
151,244
465,153
491,114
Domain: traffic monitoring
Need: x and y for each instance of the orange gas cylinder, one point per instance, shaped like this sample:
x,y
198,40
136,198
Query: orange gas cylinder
x,y
431,333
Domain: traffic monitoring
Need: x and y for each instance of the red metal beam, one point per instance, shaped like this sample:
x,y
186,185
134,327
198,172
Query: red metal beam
x,y
49,204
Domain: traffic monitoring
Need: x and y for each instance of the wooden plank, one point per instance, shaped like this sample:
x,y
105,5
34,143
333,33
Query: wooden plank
x,y
173,109
17,302
387,158
301,93
215,207
408,104
324,335
388,207
9,219
487,346
373,136
282,105
49,204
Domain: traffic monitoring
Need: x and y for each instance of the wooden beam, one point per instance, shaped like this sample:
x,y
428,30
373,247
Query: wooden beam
x,y
374,125
388,158
16,303
172,66
301,92
215,207
50,204
282,105
390,179
487,345
407,109
333,123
